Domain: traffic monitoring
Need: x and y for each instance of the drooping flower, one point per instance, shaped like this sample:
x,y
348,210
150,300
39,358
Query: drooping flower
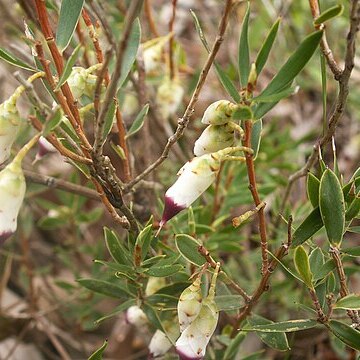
x,y
218,113
44,148
192,343
169,96
215,138
135,316
12,193
194,178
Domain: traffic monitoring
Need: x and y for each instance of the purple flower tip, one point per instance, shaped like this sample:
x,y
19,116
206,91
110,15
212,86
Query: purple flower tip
x,y
170,210
182,356
5,235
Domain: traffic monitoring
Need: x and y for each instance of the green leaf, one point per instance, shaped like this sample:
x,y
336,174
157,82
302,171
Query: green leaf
x,y
353,251
153,317
294,64
109,119
69,15
229,302
138,122
349,302
266,47
143,240
233,347
345,333
188,248
353,209
302,266
285,326
312,187
98,354
316,260
13,60
324,270
116,249
276,340
119,309
223,77
332,208
68,67
311,225
256,137
130,52
52,123
277,96
105,288
329,14
162,271
244,53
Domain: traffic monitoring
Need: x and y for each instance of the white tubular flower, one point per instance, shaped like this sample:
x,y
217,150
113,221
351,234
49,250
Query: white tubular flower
x,y
194,178
192,343
189,304
12,193
82,81
9,125
214,138
169,96
218,113
135,316
154,284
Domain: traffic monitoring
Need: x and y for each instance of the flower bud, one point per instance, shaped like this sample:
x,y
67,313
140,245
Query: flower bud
x,y
214,138
9,125
218,113
135,316
44,148
189,304
82,81
12,193
169,97
192,343
160,343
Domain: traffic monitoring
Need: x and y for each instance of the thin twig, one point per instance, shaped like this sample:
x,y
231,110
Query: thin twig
x,y
263,285
183,122
150,19
171,40
256,197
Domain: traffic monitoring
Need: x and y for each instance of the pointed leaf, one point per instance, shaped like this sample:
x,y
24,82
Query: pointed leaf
x,y
349,302
266,47
353,251
277,340
312,187
153,317
302,265
52,123
69,15
332,208
188,248
256,137
109,119
163,271
116,249
345,333
138,122
119,309
285,326
68,67
316,260
294,64
143,240
274,98
311,225
130,52
13,60
353,209
329,14
229,302
105,288
98,354
233,347
244,53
